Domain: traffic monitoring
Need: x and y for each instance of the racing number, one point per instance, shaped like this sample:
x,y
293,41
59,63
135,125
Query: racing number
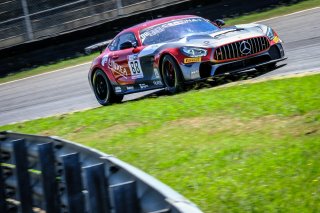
x,y
135,67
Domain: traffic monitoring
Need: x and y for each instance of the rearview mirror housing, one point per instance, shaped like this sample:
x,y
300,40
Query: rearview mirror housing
x,y
126,45
219,22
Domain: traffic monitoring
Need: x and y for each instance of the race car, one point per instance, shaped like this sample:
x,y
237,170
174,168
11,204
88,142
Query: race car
x,y
174,51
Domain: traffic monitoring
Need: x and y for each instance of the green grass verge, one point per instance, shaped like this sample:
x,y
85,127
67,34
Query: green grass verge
x,y
282,10
244,148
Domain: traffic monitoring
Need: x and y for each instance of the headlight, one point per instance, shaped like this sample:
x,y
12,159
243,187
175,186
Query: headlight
x,y
193,51
270,33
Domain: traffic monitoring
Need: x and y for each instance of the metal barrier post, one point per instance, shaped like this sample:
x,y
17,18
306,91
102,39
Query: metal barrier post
x,y
119,7
97,186
72,175
48,177
20,157
3,204
125,197
27,19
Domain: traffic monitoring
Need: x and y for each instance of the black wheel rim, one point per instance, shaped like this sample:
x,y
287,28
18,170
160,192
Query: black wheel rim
x,y
170,75
101,87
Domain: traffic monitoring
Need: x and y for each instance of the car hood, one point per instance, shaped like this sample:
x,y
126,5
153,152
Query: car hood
x,y
223,36
211,40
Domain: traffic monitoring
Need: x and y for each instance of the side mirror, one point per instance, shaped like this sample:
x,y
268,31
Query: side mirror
x,y
219,22
127,45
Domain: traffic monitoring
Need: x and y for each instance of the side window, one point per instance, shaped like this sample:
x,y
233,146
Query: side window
x,y
114,44
126,37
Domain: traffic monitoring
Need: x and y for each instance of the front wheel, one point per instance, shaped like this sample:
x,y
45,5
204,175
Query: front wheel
x,y
171,74
103,89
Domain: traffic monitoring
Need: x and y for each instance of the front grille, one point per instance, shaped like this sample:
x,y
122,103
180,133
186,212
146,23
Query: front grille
x,y
241,48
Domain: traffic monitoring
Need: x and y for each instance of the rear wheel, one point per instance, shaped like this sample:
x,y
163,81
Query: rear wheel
x,y
103,89
171,74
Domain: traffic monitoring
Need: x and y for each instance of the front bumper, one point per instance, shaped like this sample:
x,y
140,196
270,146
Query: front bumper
x,y
203,70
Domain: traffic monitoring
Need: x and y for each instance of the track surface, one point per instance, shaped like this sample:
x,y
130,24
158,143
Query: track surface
x,y
68,90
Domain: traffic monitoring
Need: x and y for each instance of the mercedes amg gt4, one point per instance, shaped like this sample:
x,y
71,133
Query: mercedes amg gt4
x,y
173,51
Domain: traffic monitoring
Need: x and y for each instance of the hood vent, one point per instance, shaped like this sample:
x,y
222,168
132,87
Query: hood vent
x,y
195,37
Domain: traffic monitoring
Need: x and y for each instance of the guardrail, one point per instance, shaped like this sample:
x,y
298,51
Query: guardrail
x,y
26,20
50,174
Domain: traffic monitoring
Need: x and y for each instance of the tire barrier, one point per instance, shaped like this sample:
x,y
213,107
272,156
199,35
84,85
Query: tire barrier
x,y
98,46
49,174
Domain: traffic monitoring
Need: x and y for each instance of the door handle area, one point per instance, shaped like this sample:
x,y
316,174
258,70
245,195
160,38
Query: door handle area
x,y
115,56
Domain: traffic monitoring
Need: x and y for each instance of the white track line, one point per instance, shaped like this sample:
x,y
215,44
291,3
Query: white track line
x,y
46,73
301,11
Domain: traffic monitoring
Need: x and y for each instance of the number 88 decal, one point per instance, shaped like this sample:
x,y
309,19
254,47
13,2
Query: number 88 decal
x,y
135,67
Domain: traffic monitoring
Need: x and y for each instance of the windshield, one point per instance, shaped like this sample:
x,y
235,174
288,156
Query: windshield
x,y
176,29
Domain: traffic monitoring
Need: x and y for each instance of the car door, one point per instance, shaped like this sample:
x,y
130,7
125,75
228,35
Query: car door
x,y
126,65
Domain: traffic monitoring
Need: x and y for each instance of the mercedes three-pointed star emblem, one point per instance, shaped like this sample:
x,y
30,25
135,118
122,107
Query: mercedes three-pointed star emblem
x,y
245,48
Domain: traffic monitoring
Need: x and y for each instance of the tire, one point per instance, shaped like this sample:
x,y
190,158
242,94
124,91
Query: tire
x,y
103,90
171,75
266,68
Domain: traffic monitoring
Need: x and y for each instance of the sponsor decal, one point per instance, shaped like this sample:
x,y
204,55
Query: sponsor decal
x,y
157,83
118,69
152,31
276,39
104,59
130,88
195,74
156,74
191,60
118,89
135,66
132,57
143,86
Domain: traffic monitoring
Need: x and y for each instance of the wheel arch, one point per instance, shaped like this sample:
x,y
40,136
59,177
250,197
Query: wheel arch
x,y
162,57
92,74
108,74
176,60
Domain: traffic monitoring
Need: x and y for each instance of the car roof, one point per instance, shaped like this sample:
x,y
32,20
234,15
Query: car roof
x,y
154,22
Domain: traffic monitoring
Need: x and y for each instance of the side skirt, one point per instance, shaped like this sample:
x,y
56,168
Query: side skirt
x,y
135,88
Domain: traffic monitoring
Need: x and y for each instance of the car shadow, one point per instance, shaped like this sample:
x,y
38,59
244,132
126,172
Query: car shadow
x,y
217,81
225,79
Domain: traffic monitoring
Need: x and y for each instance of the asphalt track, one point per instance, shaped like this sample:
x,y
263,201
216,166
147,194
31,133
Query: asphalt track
x,y
68,90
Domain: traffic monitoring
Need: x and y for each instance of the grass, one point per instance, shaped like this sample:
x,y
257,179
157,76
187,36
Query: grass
x,y
244,148
278,11
252,17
